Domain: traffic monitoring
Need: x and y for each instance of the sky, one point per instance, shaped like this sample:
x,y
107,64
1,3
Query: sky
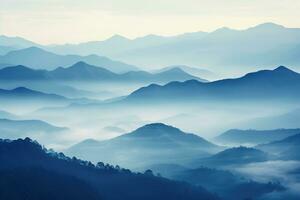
x,y
75,21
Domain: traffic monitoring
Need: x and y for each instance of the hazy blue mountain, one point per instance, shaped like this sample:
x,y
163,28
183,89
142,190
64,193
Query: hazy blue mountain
x,y
100,180
21,72
220,181
118,44
22,100
263,45
41,59
7,115
5,49
287,120
23,128
24,93
16,42
148,145
278,84
3,65
286,149
206,74
254,137
82,71
233,156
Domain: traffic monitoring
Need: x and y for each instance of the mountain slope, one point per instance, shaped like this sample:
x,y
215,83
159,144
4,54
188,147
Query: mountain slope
x,y
221,182
206,74
104,179
22,92
82,71
233,156
118,44
280,83
13,129
263,45
150,144
16,42
41,59
286,149
254,137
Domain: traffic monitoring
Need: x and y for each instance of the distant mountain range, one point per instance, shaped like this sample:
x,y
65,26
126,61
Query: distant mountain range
x,y
24,93
23,99
285,149
191,70
220,181
278,84
7,115
150,144
254,137
14,129
29,171
264,45
288,119
16,42
82,71
232,157
40,59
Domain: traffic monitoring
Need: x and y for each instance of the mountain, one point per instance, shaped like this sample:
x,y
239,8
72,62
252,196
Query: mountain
x,y
44,168
13,129
278,84
5,49
195,71
40,59
118,44
233,156
21,72
263,45
288,119
147,145
222,182
82,71
285,149
24,93
7,115
16,42
254,137
22,99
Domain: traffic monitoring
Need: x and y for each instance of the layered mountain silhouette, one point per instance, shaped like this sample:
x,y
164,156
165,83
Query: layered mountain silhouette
x,y
254,137
220,181
25,161
285,149
40,59
82,71
13,129
24,99
16,42
7,115
233,156
118,44
263,45
192,70
25,93
288,119
150,144
278,84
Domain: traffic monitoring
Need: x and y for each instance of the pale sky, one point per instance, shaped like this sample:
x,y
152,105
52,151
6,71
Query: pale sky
x,y
74,21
